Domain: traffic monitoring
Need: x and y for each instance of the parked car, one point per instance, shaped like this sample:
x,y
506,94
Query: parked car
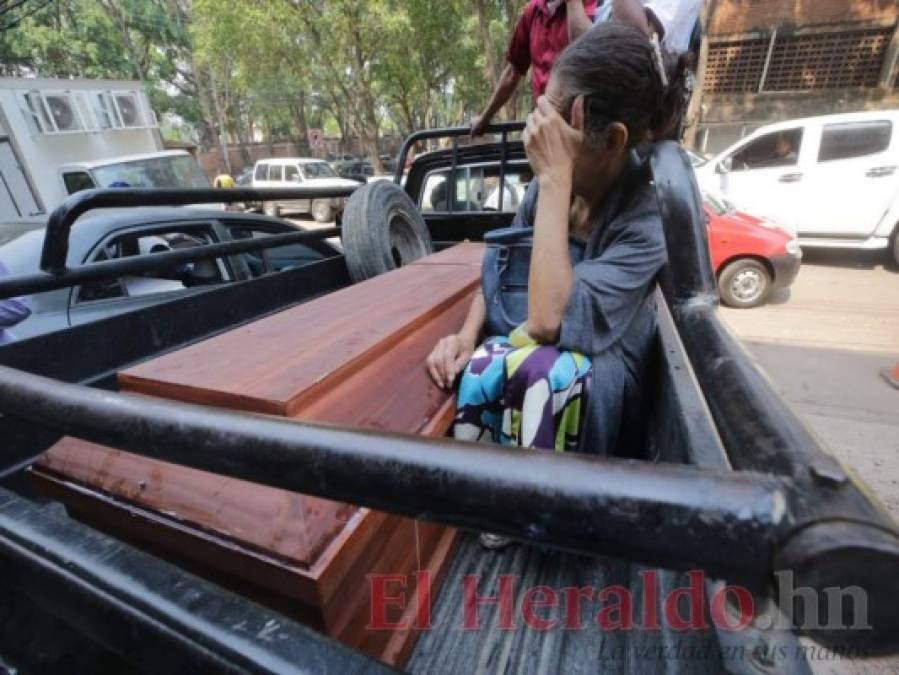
x,y
285,172
751,257
832,179
116,235
359,171
388,163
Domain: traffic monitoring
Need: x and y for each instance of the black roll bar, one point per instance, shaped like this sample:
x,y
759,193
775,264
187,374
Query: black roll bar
x,y
39,282
660,514
56,242
503,128
841,537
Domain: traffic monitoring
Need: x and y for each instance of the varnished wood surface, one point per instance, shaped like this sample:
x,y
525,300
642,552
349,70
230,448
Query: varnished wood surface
x,y
278,363
291,527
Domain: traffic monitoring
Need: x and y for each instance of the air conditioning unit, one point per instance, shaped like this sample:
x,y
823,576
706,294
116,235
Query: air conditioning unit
x,y
52,112
62,110
129,108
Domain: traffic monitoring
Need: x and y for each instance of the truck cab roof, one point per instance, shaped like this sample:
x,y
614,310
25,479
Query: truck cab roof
x,y
106,161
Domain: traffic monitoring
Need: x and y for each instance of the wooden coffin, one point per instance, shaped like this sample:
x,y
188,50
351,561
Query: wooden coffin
x,y
355,358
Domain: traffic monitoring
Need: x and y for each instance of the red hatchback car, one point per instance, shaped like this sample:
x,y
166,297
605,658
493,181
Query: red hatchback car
x,y
750,256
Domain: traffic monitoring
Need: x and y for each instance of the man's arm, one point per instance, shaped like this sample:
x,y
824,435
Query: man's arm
x,y
508,81
578,21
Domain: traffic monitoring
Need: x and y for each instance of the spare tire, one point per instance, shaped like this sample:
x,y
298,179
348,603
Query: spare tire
x,y
381,230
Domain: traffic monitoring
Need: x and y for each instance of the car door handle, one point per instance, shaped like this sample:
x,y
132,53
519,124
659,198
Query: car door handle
x,y
881,171
790,178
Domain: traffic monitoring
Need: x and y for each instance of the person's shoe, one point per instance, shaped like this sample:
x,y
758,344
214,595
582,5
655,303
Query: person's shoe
x,y
494,542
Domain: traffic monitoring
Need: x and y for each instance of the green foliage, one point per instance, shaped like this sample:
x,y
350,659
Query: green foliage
x,y
278,67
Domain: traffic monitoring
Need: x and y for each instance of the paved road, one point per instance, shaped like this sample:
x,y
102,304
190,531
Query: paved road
x,y
823,345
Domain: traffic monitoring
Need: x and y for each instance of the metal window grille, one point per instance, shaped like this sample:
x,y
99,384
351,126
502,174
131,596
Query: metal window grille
x,y
834,60
735,66
828,60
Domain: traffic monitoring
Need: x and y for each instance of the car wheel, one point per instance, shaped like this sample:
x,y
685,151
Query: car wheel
x,y
382,230
322,211
271,209
744,283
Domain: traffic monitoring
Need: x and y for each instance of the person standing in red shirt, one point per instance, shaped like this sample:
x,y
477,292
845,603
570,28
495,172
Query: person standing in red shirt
x,y
540,35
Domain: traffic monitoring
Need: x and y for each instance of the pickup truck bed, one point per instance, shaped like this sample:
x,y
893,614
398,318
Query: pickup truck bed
x,y
728,481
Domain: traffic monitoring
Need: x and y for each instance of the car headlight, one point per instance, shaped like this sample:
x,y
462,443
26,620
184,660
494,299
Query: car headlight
x,y
793,247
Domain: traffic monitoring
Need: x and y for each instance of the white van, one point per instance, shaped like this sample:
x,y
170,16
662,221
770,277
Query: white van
x,y
282,172
833,179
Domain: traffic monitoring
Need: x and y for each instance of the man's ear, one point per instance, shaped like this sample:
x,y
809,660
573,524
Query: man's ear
x,y
576,113
617,138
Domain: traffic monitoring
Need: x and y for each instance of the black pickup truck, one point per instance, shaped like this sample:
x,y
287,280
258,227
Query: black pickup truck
x,y
731,496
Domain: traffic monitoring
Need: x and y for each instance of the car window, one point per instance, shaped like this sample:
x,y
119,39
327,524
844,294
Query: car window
x,y
276,259
292,174
777,149
854,139
165,280
275,172
318,170
261,172
170,171
76,181
476,189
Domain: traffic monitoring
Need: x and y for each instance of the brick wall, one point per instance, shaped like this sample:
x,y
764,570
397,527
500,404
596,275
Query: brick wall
x,y
742,16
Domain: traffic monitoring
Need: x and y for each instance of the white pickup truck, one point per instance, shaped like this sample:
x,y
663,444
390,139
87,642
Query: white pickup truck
x,y
61,136
832,179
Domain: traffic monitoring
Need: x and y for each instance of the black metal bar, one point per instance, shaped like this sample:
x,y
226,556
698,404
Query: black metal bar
x,y
671,515
56,242
447,132
502,170
148,611
26,284
452,185
840,536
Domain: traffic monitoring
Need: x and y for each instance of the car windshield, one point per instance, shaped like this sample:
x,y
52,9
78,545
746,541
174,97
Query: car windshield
x,y
318,170
178,171
719,205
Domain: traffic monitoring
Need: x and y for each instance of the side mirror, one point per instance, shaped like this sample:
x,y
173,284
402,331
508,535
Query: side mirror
x,y
724,166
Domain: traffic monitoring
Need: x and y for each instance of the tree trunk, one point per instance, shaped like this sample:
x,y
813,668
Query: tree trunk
x,y
492,67
221,128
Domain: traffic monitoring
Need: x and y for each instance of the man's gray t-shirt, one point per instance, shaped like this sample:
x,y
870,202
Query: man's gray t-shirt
x,y
610,314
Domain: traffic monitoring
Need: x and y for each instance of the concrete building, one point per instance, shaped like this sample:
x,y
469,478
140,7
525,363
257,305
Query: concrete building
x,y
771,60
